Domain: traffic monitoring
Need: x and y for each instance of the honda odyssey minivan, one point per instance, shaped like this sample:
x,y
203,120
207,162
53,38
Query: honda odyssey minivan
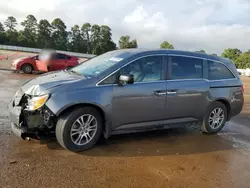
x,y
125,91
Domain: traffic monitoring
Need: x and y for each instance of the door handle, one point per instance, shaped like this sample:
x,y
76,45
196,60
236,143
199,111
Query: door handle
x,y
160,93
171,92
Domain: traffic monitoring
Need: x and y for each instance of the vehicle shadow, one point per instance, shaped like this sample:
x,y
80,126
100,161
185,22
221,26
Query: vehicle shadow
x,y
178,141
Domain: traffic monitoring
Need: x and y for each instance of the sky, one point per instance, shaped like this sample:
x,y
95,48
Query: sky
x,y
212,25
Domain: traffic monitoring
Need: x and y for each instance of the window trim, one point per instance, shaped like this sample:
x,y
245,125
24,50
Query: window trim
x,y
205,61
162,79
168,65
177,55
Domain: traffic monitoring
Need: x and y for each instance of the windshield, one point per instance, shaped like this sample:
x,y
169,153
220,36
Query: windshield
x,y
99,64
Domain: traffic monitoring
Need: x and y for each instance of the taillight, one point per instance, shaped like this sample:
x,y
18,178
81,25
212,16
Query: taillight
x,y
243,89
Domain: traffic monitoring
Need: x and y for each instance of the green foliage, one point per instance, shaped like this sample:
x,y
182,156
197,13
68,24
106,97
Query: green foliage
x,y
2,34
95,39
28,35
11,24
125,43
201,51
166,45
59,35
231,53
22,38
86,33
1,28
106,43
44,34
11,33
76,40
243,61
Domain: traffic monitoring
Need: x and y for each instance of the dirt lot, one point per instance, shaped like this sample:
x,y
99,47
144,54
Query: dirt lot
x,y
7,57
175,158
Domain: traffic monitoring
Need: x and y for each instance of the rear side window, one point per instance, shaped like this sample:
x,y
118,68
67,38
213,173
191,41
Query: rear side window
x,y
186,67
218,71
60,56
68,57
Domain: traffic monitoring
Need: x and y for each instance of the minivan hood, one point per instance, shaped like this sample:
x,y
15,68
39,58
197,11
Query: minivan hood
x,y
47,81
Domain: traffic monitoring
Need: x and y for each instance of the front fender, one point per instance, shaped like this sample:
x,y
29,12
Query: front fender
x,y
19,65
97,96
100,97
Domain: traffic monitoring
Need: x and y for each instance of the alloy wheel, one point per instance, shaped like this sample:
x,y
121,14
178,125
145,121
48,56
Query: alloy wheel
x,y
83,129
216,118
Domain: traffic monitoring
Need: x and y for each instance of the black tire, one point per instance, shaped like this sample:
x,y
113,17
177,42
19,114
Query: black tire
x,y
65,123
27,68
205,127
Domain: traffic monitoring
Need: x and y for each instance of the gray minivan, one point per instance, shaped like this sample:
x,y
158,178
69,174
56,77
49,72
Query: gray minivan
x,y
126,91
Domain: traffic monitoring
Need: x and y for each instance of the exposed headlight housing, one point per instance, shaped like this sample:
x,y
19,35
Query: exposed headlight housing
x,y
37,102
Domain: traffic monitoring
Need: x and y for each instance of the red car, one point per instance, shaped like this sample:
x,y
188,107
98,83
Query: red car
x,y
58,62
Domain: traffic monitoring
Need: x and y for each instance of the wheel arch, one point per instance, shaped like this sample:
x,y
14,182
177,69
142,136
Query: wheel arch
x,y
97,107
21,67
227,104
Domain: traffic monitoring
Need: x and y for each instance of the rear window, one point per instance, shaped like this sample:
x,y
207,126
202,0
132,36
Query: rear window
x,y
218,71
186,67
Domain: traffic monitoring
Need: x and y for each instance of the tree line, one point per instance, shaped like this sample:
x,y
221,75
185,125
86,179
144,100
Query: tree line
x,y
240,59
91,39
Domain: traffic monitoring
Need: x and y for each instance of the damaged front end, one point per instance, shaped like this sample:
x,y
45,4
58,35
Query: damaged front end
x,y
30,117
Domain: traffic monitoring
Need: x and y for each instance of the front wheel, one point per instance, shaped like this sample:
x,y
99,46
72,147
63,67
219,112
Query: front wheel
x,y
27,68
80,129
215,118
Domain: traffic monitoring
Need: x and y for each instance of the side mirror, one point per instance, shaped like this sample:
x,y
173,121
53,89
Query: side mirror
x,y
126,79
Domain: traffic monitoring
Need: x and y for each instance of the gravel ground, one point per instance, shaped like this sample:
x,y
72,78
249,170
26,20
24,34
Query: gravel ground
x,y
12,55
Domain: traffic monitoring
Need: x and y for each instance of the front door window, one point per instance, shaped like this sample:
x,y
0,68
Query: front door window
x,y
146,69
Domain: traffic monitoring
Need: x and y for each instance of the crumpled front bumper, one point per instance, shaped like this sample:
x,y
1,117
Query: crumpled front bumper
x,y
18,131
30,124
14,116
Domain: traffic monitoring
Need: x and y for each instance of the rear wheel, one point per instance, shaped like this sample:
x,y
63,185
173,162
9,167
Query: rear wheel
x,y
27,68
215,118
80,129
